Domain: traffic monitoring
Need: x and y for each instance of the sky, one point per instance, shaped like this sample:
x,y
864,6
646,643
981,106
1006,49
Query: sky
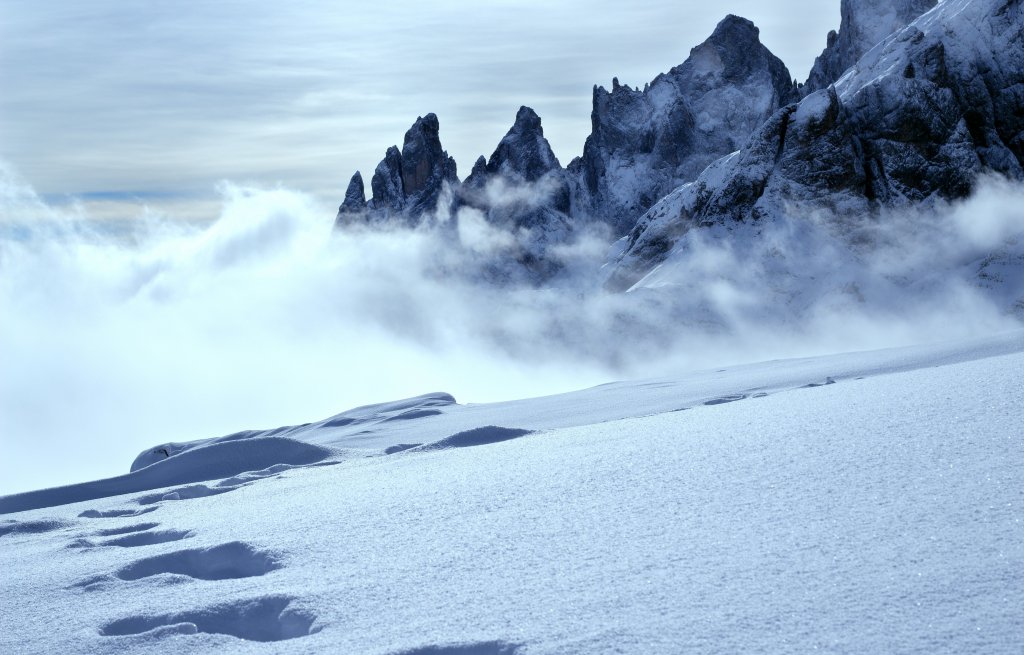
x,y
120,105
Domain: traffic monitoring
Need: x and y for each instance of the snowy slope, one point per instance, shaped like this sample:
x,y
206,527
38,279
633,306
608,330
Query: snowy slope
x,y
865,23
868,502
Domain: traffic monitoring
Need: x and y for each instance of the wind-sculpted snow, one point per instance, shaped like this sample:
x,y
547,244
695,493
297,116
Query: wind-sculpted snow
x,y
380,429
261,619
224,562
917,120
476,437
863,503
211,461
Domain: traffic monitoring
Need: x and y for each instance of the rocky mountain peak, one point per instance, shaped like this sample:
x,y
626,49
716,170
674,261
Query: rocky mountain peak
x,y
479,166
864,24
422,154
527,122
355,198
386,183
645,143
409,182
523,152
916,121
733,30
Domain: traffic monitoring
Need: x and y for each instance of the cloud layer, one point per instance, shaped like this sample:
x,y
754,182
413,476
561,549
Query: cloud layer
x,y
165,331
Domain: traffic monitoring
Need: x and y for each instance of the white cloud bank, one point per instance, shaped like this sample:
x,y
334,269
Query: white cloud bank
x,y
170,332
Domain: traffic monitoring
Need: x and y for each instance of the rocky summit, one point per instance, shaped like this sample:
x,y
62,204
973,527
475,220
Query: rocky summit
x,y
865,23
407,184
522,184
909,104
644,143
914,121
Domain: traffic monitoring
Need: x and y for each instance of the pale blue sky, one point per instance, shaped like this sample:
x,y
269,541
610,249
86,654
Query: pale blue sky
x,y
124,103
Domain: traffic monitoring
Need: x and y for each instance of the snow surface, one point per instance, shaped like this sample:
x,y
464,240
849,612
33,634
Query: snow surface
x,y
868,502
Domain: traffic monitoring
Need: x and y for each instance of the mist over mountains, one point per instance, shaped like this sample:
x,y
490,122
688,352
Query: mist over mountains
x,y
883,127
744,376
879,211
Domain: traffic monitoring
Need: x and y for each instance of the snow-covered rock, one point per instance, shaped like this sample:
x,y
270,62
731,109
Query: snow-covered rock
x,y
646,142
917,119
865,23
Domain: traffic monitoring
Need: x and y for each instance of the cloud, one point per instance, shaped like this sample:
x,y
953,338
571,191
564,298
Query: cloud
x,y
167,331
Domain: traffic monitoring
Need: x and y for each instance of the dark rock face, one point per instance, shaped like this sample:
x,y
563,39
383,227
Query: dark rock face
x,y
522,189
865,23
644,143
426,167
916,120
524,153
536,189
354,205
406,184
386,184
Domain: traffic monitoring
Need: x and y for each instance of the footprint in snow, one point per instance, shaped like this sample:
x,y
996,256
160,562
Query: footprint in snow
x,y
269,618
135,539
115,513
31,527
138,527
186,493
726,399
476,437
812,385
397,448
83,542
228,561
268,473
191,491
478,648
148,538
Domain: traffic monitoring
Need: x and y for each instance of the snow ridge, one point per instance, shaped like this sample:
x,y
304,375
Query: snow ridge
x,y
762,484
865,23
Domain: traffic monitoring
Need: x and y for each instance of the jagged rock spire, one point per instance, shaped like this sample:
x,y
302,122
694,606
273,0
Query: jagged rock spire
x,y
355,199
524,152
386,183
409,182
644,143
424,161
915,122
522,161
